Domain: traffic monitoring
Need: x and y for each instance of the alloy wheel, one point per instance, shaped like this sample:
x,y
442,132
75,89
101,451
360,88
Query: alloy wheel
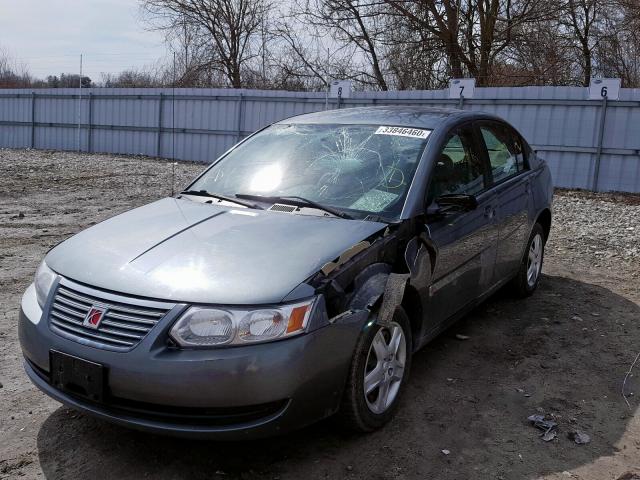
x,y
385,366
534,260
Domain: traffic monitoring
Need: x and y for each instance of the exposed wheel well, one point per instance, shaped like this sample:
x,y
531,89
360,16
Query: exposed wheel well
x,y
544,219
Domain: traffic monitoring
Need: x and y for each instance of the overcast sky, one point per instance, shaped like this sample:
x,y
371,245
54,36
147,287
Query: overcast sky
x,y
48,36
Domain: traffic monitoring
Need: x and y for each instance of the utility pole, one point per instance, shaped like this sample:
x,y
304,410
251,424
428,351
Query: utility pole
x,y
327,84
264,69
173,110
186,47
79,103
173,128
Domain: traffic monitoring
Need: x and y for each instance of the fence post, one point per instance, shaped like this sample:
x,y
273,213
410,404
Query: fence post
x,y
90,125
159,129
603,118
33,119
240,103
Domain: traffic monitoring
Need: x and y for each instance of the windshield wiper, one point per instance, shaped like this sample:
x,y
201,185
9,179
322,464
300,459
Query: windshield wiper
x,y
204,193
378,218
297,201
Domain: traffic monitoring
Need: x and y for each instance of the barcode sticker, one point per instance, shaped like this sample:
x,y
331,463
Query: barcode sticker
x,y
403,132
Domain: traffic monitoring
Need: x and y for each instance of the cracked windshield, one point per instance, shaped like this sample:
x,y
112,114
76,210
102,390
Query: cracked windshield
x,y
359,169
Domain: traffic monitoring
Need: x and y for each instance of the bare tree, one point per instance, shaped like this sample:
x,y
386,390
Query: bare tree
x,y
12,74
356,24
414,57
379,44
617,53
472,33
225,29
299,59
541,56
580,19
132,79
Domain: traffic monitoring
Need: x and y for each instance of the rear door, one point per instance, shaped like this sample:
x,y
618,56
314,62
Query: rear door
x,y
466,241
511,183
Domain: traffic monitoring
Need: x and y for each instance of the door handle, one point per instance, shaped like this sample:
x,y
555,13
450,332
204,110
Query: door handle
x,y
489,212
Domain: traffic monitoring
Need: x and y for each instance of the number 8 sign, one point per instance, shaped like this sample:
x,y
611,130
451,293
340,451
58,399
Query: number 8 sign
x,y
340,89
604,87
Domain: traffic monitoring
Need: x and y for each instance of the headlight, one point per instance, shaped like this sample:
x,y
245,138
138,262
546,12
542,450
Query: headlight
x,y
43,281
210,327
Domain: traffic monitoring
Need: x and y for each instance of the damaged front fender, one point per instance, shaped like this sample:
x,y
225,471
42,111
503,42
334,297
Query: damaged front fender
x,y
375,277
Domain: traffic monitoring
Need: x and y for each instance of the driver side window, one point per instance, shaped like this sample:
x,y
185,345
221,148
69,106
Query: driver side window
x,y
458,169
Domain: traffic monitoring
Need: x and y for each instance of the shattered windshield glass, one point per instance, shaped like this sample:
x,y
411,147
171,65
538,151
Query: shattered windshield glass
x,y
360,169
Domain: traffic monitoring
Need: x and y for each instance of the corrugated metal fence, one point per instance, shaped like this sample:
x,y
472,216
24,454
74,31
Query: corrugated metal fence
x,y
588,144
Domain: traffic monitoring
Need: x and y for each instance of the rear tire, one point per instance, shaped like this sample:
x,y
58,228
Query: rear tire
x,y
381,361
528,277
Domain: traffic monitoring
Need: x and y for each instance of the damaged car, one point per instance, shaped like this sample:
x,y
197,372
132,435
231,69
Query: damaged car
x,y
294,278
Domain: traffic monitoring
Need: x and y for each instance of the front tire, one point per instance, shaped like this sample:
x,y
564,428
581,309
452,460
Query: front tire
x,y
528,277
378,374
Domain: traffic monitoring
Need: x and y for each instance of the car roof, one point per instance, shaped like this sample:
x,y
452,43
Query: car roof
x,y
410,116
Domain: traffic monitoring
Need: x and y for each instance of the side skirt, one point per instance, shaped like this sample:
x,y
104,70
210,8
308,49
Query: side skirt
x,y
444,325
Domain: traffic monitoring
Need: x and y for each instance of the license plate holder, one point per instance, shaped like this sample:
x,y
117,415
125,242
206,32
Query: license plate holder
x,y
77,376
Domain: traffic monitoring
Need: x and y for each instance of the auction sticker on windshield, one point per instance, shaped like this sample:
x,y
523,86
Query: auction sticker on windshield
x,y
403,131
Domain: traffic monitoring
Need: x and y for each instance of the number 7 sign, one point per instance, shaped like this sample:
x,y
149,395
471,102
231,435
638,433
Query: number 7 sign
x,y
462,87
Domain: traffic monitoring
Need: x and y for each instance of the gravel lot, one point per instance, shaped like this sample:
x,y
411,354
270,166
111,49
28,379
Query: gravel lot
x,y
565,352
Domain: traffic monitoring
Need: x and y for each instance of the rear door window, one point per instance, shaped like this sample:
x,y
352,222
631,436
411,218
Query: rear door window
x,y
504,150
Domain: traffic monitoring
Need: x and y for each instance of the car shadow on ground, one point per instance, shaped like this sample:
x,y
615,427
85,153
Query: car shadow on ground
x,y
564,351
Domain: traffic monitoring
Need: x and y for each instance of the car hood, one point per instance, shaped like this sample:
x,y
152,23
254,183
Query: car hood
x,y
186,251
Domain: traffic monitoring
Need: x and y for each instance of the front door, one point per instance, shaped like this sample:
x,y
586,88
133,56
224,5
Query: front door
x,y
465,240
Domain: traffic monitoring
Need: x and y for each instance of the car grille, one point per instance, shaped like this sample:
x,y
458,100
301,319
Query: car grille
x,y
124,324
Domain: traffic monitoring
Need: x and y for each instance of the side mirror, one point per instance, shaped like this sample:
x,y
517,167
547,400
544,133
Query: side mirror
x,y
453,202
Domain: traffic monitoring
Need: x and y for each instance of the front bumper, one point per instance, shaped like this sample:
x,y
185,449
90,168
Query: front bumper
x,y
227,393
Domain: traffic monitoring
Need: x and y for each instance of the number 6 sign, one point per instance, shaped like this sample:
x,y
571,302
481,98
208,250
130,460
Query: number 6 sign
x,y
462,87
604,87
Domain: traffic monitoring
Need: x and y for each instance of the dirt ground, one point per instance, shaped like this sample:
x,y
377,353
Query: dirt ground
x,y
565,352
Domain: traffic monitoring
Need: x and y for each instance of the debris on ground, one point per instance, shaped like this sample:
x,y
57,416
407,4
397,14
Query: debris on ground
x,y
579,437
524,392
445,451
624,382
459,336
549,427
629,476
542,422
